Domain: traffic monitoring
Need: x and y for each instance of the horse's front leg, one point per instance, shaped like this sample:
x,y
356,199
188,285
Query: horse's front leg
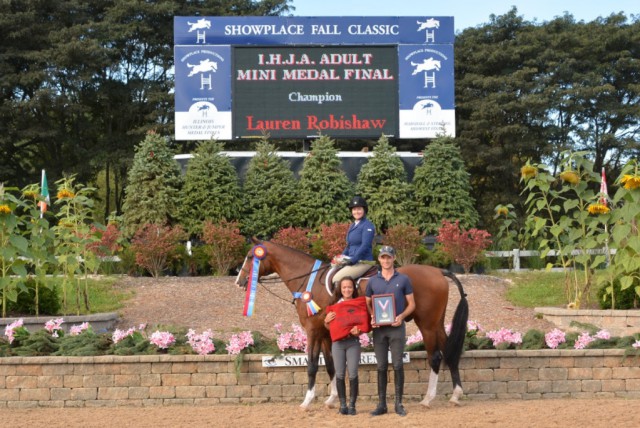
x,y
331,371
313,357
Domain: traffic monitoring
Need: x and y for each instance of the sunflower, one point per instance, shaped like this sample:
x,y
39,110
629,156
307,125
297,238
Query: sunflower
x,y
598,208
65,193
30,194
570,177
4,209
502,210
630,181
528,171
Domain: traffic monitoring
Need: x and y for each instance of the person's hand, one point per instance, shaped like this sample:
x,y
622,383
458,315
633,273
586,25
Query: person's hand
x,y
398,321
355,331
330,317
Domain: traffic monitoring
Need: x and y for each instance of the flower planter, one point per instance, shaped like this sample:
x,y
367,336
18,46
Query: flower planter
x,y
99,322
617,322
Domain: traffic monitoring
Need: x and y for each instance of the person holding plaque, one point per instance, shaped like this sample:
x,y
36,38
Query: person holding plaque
x,y
346,320
389,289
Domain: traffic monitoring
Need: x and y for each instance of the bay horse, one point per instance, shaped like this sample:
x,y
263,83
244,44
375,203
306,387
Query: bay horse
x,y
431,293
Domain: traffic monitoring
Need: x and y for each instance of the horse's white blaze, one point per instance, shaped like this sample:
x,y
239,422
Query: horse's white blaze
x,y
311,394
455,397
431,389
334,394
240,273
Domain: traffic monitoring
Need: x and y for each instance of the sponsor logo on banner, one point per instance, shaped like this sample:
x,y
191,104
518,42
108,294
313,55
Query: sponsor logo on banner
x,y
300,360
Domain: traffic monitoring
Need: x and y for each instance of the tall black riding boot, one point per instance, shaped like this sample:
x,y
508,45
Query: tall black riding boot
x,y
342,395
399,382
382,394
353,392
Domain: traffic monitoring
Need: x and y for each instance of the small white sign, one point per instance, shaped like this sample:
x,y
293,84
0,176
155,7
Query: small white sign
x,y
300,360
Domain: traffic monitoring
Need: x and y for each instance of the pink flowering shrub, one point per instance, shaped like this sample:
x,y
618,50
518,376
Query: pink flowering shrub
x,y
76,330
504,337
202,344
636,345
583,340
295,340
239,342
162,339
11,330
414,338
554,338
53,326
365,340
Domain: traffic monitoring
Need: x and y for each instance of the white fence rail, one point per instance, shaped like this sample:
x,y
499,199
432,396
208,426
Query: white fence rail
x,y
516,254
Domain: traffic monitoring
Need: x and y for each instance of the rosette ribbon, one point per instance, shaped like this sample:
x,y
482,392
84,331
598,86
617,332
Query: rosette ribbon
x,y
312,307
259,253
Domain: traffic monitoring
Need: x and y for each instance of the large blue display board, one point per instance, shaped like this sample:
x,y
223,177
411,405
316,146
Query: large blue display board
x,y
295,77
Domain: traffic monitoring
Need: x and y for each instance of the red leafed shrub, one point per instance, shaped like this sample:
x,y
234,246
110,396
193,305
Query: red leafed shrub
x,y
155,245
293,237
109,242
463,246
405,239
331,240
226,245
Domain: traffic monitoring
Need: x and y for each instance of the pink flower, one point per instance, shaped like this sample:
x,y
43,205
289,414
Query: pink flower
x,y
238,342
365,340
9,330
75,330
504,336
471,326
52,326
414,338
202,344
447,329
119,335
296,340
583,341
603,334
278,328
162,339
554,338
636,345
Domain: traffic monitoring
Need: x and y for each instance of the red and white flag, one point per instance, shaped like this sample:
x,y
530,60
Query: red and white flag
x,y
603,190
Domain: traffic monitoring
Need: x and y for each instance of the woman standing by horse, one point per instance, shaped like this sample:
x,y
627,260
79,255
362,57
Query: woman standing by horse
x,y
359,242
346,320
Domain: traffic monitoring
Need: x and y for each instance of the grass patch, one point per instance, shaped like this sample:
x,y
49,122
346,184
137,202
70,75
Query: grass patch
x,y
104,296
539,288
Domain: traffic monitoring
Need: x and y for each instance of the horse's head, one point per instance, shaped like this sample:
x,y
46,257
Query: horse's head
x,y
265,264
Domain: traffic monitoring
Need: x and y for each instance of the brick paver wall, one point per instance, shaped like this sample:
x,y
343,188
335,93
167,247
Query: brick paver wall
x,y
159,380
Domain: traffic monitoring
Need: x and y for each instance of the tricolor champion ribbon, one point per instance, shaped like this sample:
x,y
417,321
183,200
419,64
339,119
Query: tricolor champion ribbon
x,y
259,253
312,307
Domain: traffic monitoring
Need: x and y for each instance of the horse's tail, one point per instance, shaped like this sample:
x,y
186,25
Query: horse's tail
x,y
455,341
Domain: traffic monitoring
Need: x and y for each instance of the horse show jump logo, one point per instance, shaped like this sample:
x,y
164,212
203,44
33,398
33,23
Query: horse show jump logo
x,y
204,66
199,27
428,26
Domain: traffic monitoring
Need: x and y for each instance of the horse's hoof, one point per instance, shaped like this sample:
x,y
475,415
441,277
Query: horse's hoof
x,y
426,404
455,402
304,408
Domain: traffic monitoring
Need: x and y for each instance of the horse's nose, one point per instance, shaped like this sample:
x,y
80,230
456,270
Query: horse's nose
x,y
242,282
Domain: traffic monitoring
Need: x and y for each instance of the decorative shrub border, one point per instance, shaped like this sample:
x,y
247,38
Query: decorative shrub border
x,y
159,380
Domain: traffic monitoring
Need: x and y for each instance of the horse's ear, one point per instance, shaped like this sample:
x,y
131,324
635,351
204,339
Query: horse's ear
x,y
255,240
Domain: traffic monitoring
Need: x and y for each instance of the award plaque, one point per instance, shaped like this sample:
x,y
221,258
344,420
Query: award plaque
x,y
384,309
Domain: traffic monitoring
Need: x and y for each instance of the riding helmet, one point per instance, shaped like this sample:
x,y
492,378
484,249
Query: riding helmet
x,y
358,201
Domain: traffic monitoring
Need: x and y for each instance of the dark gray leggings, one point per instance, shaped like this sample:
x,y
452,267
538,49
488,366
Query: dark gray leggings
x,y
346,355
387,339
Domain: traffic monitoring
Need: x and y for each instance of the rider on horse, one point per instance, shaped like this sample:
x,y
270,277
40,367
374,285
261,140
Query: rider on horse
x,y
359,243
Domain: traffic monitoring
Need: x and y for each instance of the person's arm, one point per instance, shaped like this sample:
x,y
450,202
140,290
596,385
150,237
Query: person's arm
x,y
411,305
368,233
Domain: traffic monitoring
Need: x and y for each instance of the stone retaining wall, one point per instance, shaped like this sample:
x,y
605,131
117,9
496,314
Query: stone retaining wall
x,y
158,380
618,322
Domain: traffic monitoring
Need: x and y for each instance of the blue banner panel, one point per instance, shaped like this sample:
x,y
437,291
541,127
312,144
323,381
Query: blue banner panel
x,y
299,92
203,92
426,91
352,30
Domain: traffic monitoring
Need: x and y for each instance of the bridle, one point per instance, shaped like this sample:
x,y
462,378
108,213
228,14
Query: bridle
x,y
304,277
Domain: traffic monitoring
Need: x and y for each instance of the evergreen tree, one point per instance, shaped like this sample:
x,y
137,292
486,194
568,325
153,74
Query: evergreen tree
x,y
382,181
211,190
324,189
269,192
153,186
441,188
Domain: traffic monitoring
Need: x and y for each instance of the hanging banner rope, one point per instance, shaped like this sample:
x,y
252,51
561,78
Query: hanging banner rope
x,y
259,253
312,307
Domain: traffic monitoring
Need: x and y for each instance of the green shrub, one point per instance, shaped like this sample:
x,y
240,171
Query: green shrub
x,y
48,300
625,299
